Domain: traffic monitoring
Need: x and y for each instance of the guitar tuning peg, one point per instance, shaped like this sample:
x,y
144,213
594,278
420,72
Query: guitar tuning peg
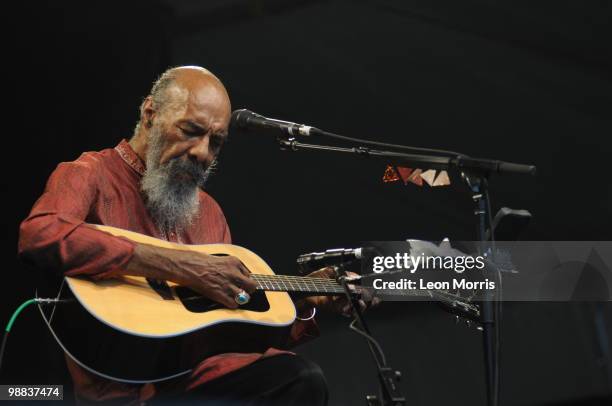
x,y
456,319
479,328
468,323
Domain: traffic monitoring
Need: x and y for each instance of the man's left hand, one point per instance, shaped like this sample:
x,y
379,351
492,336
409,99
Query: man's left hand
x,y
337,304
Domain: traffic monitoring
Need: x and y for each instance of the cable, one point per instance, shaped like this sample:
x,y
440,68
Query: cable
x,y
380,359
9,326
371,339
4,338
16,313
387,145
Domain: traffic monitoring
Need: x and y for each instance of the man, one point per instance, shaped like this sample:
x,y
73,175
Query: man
x,y
152,185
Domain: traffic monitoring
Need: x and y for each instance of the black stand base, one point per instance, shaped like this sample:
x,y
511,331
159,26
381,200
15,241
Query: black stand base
x,y
388,378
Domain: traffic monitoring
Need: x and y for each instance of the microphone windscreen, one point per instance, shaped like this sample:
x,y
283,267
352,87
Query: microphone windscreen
x,y
240,118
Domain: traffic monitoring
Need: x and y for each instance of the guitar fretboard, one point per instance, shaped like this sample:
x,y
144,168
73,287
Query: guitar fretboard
x,y
286,283
324,286
321,286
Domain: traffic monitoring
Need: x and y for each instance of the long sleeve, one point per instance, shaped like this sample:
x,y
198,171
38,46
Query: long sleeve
x,y
302,331
55,234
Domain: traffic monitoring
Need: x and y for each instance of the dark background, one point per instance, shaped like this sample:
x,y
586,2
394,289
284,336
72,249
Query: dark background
x,y
521,81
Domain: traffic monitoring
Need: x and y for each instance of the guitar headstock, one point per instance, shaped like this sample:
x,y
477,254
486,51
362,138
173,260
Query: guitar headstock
x,y
462,308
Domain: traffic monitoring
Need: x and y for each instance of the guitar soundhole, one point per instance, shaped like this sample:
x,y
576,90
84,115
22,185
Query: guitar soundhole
x,y
197,303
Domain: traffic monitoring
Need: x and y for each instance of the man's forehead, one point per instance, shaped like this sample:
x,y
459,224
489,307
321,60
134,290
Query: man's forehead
x,y
206,106
208,97
202,104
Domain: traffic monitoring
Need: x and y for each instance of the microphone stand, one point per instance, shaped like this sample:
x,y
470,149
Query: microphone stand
x,y
482,167
475,172
390,392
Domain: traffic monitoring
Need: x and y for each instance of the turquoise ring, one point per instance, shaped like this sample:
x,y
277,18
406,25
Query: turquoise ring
x,y
242,297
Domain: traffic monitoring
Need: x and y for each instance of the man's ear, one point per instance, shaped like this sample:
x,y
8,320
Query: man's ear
x,y
147,112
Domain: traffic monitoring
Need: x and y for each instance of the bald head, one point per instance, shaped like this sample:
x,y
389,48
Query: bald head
x,y
175,85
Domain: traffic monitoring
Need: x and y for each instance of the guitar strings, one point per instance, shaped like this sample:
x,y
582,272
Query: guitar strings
x,y
297,279
295,282
303,283
292,277
308,283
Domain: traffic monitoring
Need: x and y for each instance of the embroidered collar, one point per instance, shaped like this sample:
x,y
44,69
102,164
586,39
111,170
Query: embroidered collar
x,y
130,157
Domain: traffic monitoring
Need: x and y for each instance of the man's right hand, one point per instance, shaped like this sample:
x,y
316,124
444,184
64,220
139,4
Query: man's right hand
x,y
219,278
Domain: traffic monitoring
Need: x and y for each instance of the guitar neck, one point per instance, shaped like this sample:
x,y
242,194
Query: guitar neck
x,y
321,286
298,284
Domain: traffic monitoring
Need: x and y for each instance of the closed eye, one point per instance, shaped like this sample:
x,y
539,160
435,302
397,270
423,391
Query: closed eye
x,y
216,139
190,133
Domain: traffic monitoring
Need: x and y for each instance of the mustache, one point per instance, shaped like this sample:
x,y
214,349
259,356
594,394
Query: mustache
x,y
198,172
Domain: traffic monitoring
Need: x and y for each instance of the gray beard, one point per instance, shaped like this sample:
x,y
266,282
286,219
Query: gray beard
x,y
170,196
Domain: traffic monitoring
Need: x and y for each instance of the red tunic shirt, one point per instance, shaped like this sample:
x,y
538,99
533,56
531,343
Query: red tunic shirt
x,y
104,188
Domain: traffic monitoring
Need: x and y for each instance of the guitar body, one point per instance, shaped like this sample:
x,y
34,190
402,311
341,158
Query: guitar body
x,y
135,330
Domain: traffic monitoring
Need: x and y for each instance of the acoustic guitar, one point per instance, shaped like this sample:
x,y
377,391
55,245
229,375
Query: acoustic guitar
x,y
137,330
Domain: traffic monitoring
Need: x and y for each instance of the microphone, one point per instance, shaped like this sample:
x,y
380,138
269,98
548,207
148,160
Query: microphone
x,y
248,120
306,261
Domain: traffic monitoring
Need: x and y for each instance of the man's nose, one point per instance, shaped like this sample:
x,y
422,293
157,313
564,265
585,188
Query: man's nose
x,y
200,150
